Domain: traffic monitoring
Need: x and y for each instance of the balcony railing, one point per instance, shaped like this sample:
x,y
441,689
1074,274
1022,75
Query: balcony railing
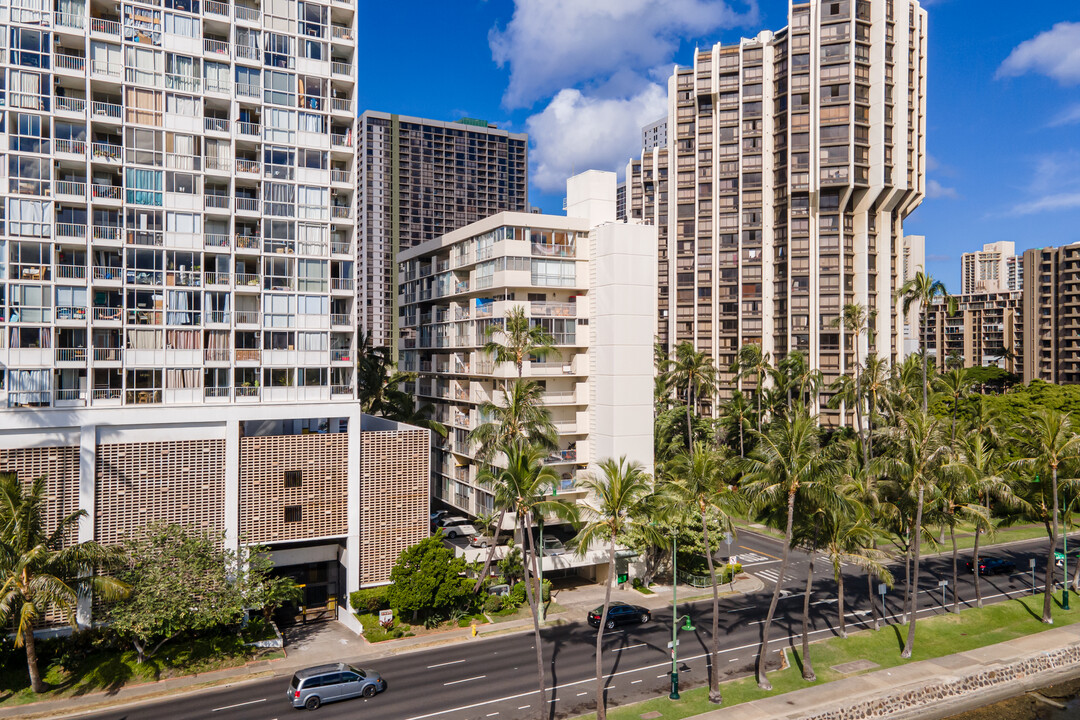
x,y
341,390
216,278
247,392
216,124
106,394
341,68
341,283
107,192
247,279
73,147
340,211
213,7
552,309
217,355
69,62
216,47
215,240
246,13
70,187
219,393
246,317
107,354
341,32
107,27
247,166
70,394
247,204
72,230
248,355
216,201
340,355
341,105
75,105
112,111
246,52
107,232
108,314
71,272
248,128
341,176
339,319
340,248
106,151
248,242
71,354
340,140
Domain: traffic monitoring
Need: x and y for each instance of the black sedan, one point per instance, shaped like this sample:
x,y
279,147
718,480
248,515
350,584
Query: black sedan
x,y
991,566
619,613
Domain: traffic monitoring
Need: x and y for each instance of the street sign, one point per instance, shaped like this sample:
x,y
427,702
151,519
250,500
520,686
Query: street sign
x,y
1032,563
882,588
676,644
728,538
1059,556
734,560
943,583
386,616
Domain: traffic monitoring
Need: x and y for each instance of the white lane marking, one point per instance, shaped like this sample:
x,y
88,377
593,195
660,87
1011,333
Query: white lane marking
x,y
759,622
455,682
733,659
628,647
748,607
824,602
230,707
663,675
452,662
665,663
634,682
491,714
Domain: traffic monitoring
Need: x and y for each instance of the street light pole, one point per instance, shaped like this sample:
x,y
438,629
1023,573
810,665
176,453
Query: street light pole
x,y
674,618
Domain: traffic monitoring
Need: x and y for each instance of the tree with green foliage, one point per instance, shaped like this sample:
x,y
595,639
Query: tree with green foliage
x,y
616,497
1049,442
693,375
43,569
752,361
921,291
427,581
702,484
735,418
182,580
521,339
379,390
261,589
954,385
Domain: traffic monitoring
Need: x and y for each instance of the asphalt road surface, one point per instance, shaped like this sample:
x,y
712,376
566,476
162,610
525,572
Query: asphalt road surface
x,y
495,679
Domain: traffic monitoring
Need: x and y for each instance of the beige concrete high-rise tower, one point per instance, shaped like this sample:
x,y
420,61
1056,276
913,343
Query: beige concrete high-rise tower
x,y
792,160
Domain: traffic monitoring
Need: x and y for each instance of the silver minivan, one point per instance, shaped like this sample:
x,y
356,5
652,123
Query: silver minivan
x,y
311,687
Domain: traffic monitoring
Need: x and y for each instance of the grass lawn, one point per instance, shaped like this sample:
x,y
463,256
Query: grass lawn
x,y
523,612
935,637
374,632
78,668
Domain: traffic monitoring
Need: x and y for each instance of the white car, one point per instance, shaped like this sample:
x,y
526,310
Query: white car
x,y
448,520
454,531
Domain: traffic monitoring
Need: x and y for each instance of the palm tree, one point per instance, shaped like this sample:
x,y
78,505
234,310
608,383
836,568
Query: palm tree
x,y
702,480
521,340
921,291
752,362
693,374
521,489
957,500
861,485
848,537
522,417
857,320
1047,442
875,379
788,462
735,418
37,571
981,469
616,498
955,384
917,453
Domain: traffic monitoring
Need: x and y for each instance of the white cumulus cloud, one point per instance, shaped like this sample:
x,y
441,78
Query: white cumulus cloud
x,y
576,132
1068,116
1060,201
1055,53
934,190
555,44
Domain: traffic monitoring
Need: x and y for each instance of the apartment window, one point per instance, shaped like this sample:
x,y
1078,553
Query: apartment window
x,y
294,478
28,175
280,51
28,135
280,125
279,88
30,48
293,514
182,25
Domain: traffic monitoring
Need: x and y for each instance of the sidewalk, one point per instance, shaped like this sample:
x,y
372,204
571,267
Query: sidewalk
x,y
332,642
928,689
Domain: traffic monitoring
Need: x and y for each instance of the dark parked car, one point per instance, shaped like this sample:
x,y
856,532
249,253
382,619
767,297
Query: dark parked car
x,y
620,613
313,686
990,566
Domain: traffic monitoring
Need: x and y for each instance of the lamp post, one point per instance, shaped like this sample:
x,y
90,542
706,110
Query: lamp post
x,y
674,695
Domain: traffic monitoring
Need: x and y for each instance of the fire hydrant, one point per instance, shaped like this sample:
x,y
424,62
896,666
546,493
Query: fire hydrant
x,y
474,629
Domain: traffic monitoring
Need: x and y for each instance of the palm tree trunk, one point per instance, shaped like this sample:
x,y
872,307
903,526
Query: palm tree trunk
x,y
840,602
1076,576
873,605
742,448
689,423
762,679
714,676
491,552
907,577
975,567
955,588
926,316
534,607
807,666
910,644
757,391
601,709
36,683
1047,617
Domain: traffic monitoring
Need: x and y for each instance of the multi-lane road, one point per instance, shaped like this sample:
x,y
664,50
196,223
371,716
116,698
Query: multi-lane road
x,y
495,679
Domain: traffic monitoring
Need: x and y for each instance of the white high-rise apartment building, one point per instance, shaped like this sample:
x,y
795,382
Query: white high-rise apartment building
x,y
990,270
914,260
792,160
177,270
178,202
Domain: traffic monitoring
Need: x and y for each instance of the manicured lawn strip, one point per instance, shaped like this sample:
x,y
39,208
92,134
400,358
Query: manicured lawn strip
x,y
935,637
99,667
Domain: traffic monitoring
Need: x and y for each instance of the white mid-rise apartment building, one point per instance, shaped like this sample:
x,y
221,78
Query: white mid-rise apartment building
x,y
177,280
993,269
586,279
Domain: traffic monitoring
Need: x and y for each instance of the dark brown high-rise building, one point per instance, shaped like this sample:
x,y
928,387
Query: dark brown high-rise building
x,y
418,180
1052,314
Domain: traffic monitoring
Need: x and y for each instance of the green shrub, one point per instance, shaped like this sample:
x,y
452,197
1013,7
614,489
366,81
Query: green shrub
x,y
546,590
370,600
636,583
493,604
517,593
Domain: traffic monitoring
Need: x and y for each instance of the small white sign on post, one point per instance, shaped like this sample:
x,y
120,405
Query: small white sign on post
x,y
386,616
676,644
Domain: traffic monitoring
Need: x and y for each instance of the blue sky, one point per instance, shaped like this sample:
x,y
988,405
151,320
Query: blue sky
x,y
581,76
